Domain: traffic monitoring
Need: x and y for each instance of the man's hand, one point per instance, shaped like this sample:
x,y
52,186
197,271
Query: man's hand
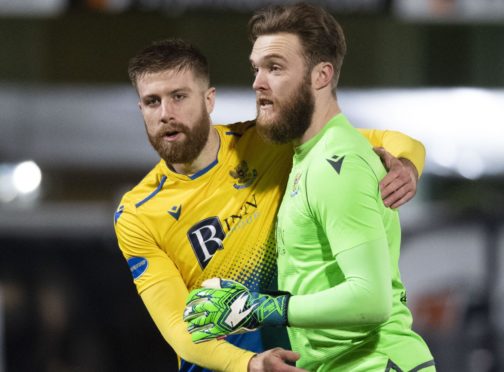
x,y
225,307
400,183
274,360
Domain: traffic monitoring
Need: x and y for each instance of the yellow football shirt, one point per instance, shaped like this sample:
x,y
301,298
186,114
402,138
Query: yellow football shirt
x,y
217,222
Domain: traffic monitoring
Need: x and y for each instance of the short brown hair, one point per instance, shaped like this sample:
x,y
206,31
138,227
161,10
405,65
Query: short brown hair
x,y
321,36
168,54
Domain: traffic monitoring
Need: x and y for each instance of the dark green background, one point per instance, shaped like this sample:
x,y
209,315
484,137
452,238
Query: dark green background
x,y
94,48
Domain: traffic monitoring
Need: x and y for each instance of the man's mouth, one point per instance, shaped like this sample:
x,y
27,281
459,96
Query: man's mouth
x,y
265,103
171,135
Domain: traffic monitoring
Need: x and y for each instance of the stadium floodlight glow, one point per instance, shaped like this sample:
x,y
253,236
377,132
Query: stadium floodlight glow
x,y
470,165
7,190
444,154
26,177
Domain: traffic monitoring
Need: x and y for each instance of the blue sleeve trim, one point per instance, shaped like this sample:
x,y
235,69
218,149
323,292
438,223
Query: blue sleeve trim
x,y
163,179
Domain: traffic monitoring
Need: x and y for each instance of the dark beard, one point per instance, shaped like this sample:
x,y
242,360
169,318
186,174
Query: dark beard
x,y
187,150
293,118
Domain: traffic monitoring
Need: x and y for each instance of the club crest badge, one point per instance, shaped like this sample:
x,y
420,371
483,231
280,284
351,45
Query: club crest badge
x,y
295,185
243,175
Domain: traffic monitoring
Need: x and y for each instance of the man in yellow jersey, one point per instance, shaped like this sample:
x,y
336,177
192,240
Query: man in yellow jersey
x,y
338,244
207,209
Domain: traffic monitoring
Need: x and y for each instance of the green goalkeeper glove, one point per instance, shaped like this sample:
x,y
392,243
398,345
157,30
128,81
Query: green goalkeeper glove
x,y
224,307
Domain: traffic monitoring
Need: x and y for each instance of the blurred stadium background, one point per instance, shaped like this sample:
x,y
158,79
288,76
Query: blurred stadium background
x,y
72,141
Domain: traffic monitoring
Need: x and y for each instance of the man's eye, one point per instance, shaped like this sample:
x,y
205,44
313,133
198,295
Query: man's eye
x,y
275,68
254,70
152,101
179,97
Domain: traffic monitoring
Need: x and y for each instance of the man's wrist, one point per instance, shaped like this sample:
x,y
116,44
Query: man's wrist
x,y
253,364
274,310
408,163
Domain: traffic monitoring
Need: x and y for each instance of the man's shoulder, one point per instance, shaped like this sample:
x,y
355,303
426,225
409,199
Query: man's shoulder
x,y
244,138
345,144
237,129
344,161
144,189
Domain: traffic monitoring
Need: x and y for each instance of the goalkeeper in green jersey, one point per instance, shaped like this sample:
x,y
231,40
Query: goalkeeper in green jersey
x,y
337,243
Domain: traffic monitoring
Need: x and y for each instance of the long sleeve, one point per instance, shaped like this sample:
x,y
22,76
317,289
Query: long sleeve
x,y
398,144
347,208
163,292
165,302
363,298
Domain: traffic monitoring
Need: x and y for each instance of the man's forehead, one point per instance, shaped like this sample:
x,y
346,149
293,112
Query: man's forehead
x,y
173,79
281,45
171,75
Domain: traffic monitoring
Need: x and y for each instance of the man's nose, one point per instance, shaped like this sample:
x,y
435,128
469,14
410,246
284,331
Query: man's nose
x,y
167,111
260,82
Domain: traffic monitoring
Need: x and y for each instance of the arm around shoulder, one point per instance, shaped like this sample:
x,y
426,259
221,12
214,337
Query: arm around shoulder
x,y
399,145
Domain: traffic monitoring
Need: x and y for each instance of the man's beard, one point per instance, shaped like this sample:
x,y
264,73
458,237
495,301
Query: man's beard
x,y
184,151
292,119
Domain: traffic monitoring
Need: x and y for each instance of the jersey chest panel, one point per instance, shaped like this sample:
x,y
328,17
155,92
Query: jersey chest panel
x,y
221,224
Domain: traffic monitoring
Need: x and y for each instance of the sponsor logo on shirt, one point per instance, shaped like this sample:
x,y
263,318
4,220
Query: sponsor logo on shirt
x,y
137,266
206,237
247,214
175,211
243,175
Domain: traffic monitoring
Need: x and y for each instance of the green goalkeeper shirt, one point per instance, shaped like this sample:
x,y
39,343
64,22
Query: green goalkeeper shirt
x,y
338,254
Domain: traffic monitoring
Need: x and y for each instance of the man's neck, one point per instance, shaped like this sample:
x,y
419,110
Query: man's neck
x,y
204,159
324,111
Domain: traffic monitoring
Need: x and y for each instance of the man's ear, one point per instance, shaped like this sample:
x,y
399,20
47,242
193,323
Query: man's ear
x,y
210,99
322,75
140,106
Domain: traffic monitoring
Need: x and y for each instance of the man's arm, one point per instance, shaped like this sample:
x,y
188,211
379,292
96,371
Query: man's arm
x,y
353,226
364,298
404,158
163,292
354,229
165,303
274,360
398,145
400,184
